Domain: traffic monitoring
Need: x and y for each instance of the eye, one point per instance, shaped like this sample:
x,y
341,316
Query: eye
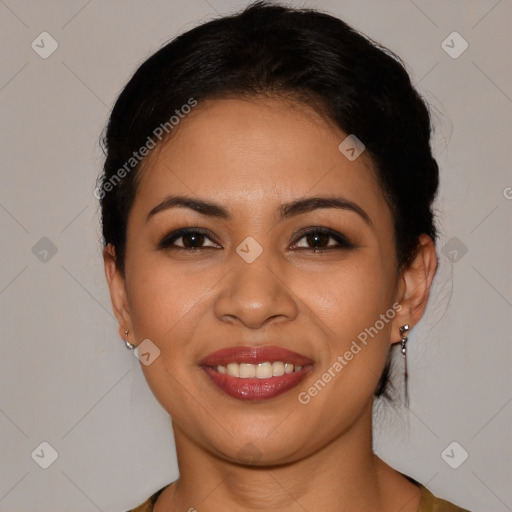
x,y
191,238
315,238
319,238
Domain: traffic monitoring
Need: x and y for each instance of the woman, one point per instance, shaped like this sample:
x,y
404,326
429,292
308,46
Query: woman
x,y
267,218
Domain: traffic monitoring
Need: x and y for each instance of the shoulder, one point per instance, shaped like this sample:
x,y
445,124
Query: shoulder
x,y
147,506
431,503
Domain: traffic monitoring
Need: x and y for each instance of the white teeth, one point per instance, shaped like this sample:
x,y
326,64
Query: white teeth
x,y
233,369
247,371
277,368
261,370
264,370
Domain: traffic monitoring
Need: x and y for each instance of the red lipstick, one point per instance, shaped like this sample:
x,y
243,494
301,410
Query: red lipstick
x,y
254,388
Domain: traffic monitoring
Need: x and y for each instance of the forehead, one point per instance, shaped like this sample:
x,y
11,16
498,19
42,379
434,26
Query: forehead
x,y
257,151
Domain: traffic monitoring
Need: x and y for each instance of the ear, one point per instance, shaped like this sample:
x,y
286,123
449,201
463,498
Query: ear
x,y
117,287
414,286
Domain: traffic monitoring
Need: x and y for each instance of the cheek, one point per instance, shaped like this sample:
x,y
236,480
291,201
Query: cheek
x,y
167,307
356,304
165,297
352,296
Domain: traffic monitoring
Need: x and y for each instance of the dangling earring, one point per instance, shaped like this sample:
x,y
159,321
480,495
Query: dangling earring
x,y
129,346
403,333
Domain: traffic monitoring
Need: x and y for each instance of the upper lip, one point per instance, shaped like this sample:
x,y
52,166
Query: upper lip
x,y
254,355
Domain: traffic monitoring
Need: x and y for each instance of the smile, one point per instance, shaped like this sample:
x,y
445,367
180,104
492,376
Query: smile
x,y
250,373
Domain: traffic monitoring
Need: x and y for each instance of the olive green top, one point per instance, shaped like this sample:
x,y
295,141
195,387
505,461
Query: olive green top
x,y
428,502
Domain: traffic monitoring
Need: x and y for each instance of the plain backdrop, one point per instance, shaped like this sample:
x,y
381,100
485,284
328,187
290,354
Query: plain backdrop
x,y
66,378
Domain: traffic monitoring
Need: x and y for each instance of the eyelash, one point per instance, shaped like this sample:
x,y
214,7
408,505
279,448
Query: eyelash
x,y
342,242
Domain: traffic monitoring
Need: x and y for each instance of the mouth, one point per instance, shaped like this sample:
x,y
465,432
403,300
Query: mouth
x,y
256,373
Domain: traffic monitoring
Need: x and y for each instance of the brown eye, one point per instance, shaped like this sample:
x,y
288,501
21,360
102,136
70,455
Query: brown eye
x,y
317,239
190,239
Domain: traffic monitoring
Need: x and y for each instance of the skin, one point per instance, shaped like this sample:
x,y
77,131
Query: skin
x,y
251,156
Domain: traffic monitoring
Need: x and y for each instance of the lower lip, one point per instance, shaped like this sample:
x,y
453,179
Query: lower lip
x,y
256,389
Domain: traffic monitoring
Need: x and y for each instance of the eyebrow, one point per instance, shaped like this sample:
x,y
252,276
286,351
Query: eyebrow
x,y
287,210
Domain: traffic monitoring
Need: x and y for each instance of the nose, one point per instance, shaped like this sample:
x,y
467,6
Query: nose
x,y
255,294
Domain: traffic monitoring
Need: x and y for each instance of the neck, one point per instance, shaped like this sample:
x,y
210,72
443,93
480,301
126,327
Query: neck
x,y
344,475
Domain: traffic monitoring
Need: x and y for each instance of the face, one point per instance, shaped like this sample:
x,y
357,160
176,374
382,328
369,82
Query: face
x,y
263,270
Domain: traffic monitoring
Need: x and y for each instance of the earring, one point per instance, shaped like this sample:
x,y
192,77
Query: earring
x,y
129,346
403,333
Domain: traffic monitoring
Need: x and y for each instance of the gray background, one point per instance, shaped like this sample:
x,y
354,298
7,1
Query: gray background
x,y
66,377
